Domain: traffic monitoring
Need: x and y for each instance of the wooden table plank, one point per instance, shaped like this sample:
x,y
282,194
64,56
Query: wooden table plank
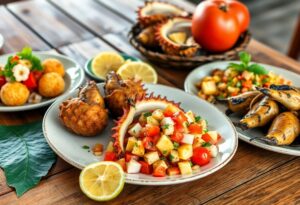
x,y
128,10
93,15
51,24
280,186
16,35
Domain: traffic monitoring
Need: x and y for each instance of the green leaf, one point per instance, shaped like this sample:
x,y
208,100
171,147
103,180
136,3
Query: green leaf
x,y
245,58
206,144
237,67
197,118
25,155
257,69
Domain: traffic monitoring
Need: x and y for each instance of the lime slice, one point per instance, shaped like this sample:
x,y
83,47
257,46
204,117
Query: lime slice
x,y
105,62
102,181
138,70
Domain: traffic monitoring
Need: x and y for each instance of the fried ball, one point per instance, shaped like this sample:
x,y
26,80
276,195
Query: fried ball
x,y
14,94
51,85
53,65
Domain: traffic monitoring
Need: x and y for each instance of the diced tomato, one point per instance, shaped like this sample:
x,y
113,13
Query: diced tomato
x,y
148,143
245,90
178,127
180,118
146,168
170,111
247,84
206,137
15,59
2,81
219,137
37,74
152,131
234,94
267,84
195,128
159,171
224,79
173,171
30,82
239,77
122,163
201,156
177,136
129,156
156,138
110,156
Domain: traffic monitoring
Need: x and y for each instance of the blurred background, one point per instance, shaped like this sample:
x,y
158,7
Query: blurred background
x,y
273,22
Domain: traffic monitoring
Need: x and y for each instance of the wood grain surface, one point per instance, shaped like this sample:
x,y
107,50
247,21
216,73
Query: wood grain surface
x,y
254,176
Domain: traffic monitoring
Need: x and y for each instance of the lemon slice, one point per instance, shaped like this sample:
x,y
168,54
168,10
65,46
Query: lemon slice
x,y
178,37
102,181
105,62
138,70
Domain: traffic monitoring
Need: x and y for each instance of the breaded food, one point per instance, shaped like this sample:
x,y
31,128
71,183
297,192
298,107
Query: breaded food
x,y
51,85
53,65
14,94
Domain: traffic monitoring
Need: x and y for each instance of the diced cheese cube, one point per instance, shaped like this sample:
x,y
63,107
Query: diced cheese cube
x,y
190,116
168,129
214,136
187,139
209,87
196,167
167,121
198,141
160,163
174,157
185,151
151,157
138,149
213,150
110,147
130,143
135,130
164,145
133,167
185,168
158,114
152,121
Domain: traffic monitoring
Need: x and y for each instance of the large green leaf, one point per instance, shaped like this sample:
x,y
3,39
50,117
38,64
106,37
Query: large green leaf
x,y
25,155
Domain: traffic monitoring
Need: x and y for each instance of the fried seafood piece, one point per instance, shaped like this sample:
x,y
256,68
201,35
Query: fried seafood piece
x,y
260,114
120,94
284,94
284,129
86,114
240,103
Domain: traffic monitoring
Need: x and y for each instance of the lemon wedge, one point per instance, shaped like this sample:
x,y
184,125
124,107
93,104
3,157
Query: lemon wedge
x,y
105,62
178,37
102,181
139,71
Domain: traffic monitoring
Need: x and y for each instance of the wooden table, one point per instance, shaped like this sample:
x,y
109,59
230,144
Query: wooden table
x,y
81,30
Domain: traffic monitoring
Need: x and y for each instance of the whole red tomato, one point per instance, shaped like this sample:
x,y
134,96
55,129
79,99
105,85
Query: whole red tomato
x,y
241,11
201,156
215,26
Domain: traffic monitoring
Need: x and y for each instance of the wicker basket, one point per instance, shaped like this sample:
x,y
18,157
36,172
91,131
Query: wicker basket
x,y
181,62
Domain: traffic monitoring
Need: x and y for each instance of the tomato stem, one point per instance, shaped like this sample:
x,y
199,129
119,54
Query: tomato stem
x,y
224,7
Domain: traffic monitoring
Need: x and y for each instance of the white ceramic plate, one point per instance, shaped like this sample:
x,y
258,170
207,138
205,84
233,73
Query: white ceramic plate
x,y
204,70
69,146
73,78
1,41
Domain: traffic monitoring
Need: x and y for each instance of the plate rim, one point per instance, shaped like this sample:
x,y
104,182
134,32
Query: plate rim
x,y
50,101
241,136
158,183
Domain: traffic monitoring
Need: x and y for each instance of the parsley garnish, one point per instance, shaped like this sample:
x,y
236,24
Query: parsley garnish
x,y
166,126
176,145
205,130
197,118
206,144
191,163
165,152
147,114
171,157
85,147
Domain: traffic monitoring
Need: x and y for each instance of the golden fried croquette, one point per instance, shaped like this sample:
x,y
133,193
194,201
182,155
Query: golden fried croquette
x,y
53,65
51,85
14,94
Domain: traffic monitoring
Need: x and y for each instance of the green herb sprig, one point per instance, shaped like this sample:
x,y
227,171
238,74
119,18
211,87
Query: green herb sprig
x,y
245,59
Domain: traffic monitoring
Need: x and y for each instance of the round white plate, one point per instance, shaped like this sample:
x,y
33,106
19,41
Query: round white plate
x,y
73,78
69,146
204,70
1,40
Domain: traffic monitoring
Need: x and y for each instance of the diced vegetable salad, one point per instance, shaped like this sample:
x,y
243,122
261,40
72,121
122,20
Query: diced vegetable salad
x,y
167,142
237,79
